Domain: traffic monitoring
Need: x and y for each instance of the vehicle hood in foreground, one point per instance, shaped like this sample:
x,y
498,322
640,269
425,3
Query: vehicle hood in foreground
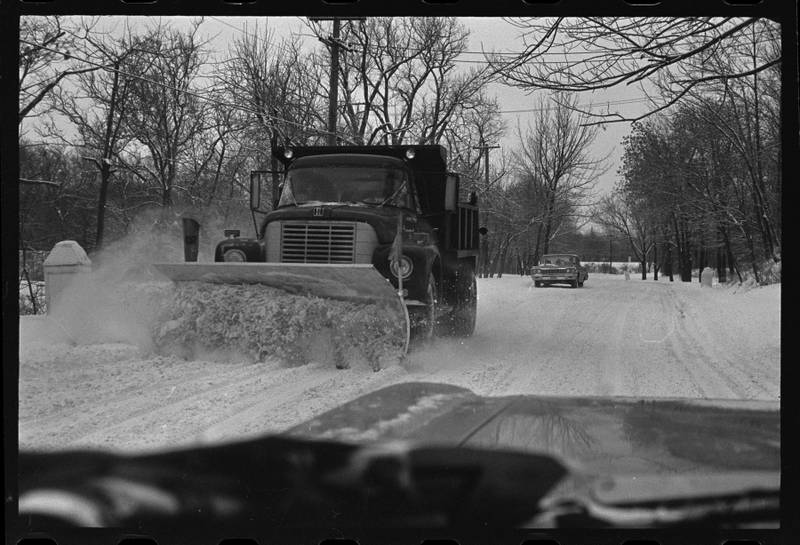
x,y
431,455
599,436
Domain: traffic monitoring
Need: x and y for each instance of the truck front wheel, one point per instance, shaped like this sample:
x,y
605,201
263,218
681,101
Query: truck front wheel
x,y
423,319
461,320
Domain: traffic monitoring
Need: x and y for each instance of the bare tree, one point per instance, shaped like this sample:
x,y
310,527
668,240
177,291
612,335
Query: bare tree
x,y
276,84
554,155
745,116
624,214
592,53
98,106
399,81
45,50
167,113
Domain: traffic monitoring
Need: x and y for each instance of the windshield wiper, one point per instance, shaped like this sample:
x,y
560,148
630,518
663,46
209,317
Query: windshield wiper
x,y
395,194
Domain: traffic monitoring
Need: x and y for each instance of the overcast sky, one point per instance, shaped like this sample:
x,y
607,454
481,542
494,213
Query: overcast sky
x,y
486,34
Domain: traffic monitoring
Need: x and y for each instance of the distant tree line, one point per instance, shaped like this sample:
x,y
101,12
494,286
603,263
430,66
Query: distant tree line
x,y
700,184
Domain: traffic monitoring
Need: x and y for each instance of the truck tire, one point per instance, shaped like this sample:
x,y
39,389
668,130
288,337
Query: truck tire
x,y
461,320
575,283
423,323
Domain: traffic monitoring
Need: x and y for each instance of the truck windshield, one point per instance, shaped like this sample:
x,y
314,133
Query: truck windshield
x,y
346,184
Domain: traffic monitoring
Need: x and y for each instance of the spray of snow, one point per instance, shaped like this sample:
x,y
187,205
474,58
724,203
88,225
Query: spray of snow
x,y
94,309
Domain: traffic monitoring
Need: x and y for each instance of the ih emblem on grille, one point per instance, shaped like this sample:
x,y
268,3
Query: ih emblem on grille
x,y
318,211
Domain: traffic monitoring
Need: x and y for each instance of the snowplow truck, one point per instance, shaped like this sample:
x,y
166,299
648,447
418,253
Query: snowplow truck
x,y
357,223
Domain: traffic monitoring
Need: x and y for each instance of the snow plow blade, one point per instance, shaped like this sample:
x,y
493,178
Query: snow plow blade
x,y
356,283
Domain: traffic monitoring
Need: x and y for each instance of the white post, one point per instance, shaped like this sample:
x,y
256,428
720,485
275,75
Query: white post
x,y
66,260
707,277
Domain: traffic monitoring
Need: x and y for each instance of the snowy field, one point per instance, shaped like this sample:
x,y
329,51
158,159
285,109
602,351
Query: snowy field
x,y
611,337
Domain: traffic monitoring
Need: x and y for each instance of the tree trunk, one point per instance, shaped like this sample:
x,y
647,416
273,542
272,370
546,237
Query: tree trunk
x,y
733,267
721,272
105,178
105,166
668,263
503,258
655,261
536,254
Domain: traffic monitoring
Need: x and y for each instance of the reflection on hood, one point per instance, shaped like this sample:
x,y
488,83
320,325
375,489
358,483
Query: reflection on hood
x,y
603,435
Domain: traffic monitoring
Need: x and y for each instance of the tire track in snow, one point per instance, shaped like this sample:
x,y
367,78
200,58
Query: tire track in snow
x,y
563,347
706,348
90,420
670,371
169,421
131,393
756,374
317,389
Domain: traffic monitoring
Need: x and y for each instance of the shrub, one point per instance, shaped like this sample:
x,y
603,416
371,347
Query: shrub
x,y
31,304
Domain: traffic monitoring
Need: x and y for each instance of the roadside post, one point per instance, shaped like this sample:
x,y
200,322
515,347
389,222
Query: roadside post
x,y
65,262
707,277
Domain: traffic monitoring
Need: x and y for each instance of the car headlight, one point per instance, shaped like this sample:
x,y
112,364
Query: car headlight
x,y
571,269
406,267
234,255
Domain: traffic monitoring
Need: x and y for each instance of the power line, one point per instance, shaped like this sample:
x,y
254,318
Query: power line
x,y
513,54
590,105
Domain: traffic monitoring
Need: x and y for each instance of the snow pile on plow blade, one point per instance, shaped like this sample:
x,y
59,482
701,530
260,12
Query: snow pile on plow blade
x,y
278,309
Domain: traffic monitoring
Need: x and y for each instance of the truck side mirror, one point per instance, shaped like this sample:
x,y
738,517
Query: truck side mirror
x,y
255,190
451,193
473,198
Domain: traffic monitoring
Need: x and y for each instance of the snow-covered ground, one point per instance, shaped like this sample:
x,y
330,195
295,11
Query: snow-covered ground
x,y
611,337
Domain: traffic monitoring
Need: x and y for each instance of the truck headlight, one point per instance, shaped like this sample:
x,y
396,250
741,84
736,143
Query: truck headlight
x,y
234,255
406,267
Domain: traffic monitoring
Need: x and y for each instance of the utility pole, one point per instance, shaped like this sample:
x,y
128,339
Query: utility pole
x,y
333,97
334,43
484,243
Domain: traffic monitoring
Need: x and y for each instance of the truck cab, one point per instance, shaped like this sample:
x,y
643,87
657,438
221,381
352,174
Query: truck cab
x,y
339,205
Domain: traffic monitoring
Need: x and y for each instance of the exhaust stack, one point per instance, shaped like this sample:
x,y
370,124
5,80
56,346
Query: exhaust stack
x,y
191,239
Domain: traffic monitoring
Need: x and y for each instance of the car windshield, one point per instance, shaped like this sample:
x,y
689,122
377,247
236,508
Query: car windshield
x,y
558,260
336,183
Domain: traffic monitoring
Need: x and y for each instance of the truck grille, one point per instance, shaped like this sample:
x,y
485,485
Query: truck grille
x,y
318,242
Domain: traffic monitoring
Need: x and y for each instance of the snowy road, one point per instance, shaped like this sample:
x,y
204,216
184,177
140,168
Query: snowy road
x,y
611,337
